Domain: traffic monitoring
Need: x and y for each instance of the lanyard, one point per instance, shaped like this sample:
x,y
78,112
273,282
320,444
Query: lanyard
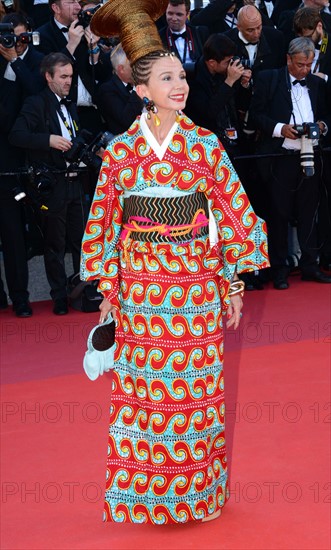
x,y
322,52
71,129
324,44
188,43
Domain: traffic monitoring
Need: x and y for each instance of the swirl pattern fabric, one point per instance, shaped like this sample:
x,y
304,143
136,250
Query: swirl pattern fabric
x,y
166,453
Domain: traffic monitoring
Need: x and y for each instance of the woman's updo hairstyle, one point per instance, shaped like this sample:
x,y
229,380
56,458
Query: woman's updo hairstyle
x,y
133,22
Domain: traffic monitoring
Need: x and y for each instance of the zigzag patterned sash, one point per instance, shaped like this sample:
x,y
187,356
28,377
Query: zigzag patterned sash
x,y
170,219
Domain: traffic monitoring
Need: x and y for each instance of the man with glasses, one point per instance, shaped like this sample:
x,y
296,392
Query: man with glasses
x,y
308,22
285,23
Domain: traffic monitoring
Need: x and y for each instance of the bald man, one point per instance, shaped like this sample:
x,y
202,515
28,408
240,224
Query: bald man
x,y
258,47
262,47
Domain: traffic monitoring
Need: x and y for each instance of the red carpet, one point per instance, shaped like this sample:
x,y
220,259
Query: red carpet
x,y
54,433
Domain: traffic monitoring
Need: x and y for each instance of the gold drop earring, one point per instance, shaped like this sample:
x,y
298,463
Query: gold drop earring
x,y
178,116
151,108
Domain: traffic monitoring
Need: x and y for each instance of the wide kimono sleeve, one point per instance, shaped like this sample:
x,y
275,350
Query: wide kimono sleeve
x,y
99,255
242,234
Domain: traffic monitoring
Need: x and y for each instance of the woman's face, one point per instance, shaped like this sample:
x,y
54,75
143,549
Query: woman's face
x,y
167,85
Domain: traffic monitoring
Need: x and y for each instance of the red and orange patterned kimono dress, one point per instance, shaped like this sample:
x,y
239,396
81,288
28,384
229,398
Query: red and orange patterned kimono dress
x,y
166,452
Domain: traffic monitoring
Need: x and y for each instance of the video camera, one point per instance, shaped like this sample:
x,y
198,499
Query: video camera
x,y
84,149
307,132
8,39
85,16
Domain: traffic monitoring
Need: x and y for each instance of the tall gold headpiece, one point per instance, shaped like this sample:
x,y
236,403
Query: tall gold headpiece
x,y
133,22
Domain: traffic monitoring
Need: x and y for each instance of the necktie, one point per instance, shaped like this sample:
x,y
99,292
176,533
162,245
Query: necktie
x,y
178,35
301,82
317,46
64,29
129,87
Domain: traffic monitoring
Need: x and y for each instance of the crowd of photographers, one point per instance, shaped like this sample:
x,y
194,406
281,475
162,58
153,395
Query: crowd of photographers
x,y
260,78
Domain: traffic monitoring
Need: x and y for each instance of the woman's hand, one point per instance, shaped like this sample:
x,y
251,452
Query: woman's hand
x,y
234,311
105,308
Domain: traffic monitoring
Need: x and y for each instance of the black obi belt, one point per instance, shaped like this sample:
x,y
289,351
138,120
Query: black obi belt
x,y
164,220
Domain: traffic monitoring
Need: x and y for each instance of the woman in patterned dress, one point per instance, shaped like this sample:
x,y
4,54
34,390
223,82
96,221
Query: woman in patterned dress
x,y
166,453
147,241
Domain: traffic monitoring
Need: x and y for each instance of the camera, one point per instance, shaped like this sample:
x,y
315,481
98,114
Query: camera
x,y
307,132
84,148
309,129
8,6
8,39
244,61
85,16
41,182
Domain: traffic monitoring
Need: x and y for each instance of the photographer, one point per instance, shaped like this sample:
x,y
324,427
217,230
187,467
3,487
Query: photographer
x,y
19,60
288,103
68,31
19,78
218,81
46,128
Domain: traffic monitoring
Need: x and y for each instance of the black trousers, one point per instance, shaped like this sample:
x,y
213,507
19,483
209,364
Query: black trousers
x,y
12,234
63,228
293,196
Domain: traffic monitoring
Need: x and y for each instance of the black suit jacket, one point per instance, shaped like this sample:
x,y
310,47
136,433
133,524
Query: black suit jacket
x,y
37,120
118,106
282,5
213,16
199,37
12,94
272,104
52,39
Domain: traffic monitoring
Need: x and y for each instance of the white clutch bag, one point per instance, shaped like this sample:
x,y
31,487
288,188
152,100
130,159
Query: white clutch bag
x,y
99,357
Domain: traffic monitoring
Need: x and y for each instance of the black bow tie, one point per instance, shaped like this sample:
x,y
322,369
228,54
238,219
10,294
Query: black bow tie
x,y
176,35
301,82
250,43
317,46
129,87
65,101
64,29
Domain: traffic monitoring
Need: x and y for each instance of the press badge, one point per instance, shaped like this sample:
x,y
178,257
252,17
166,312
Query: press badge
x,y
231,133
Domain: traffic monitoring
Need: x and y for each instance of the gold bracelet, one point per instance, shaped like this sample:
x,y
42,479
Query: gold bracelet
x,y
237,287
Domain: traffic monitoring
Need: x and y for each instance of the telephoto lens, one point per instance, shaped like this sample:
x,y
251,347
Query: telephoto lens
x,y
307,156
